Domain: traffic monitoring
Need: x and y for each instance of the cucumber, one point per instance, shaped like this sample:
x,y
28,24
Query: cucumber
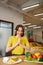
x,y
41,59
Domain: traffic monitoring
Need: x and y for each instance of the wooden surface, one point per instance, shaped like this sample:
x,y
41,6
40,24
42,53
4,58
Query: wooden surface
x,y
21,63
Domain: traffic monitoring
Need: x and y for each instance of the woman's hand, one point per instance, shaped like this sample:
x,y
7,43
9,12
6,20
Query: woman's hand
x,y
18,40
27,49
18,43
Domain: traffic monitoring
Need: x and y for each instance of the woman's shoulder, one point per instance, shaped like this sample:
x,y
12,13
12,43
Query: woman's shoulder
x,y
12,36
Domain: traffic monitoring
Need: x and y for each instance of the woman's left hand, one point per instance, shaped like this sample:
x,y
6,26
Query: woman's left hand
x,y
27,49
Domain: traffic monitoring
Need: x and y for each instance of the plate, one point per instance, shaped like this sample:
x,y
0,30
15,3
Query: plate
x,y
33,61
5,60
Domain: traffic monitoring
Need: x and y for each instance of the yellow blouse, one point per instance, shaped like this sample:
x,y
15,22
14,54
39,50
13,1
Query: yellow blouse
x,y
18,49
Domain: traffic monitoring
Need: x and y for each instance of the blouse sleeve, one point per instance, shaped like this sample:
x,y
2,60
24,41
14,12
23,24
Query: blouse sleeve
x,y
27,42
9,41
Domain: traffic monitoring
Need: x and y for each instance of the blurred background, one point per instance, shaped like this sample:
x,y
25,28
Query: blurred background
x,y
29,13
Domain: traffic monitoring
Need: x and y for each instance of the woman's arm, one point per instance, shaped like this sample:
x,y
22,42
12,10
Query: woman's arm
x,y
23,46
9,48
27,48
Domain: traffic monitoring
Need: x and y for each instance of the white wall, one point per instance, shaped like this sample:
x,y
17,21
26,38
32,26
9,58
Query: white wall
x,y
11,15
8,14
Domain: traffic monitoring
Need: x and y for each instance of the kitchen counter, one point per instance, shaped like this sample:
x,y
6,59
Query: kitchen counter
x,y
21,63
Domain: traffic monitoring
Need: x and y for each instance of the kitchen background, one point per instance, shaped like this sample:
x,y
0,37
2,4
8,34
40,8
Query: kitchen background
x,y
10,10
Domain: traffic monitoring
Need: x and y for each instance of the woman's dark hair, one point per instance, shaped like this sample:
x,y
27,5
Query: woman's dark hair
x,y
16,29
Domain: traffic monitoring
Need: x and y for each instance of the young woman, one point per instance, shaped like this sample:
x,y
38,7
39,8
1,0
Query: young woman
x,y
18,44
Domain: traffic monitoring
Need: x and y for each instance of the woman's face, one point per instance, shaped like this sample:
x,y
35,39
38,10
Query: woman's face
x,y
20,31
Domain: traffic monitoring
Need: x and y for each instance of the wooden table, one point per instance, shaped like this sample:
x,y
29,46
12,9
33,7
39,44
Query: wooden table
x,y
21,63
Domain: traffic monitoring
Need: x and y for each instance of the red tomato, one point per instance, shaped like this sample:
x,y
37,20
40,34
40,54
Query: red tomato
x,y
33,56
41,55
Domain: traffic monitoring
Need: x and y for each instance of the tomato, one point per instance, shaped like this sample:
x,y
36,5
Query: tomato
x,y
41,55
33,56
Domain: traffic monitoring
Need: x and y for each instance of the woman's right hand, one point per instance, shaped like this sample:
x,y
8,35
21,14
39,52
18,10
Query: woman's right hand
x,y
18,41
